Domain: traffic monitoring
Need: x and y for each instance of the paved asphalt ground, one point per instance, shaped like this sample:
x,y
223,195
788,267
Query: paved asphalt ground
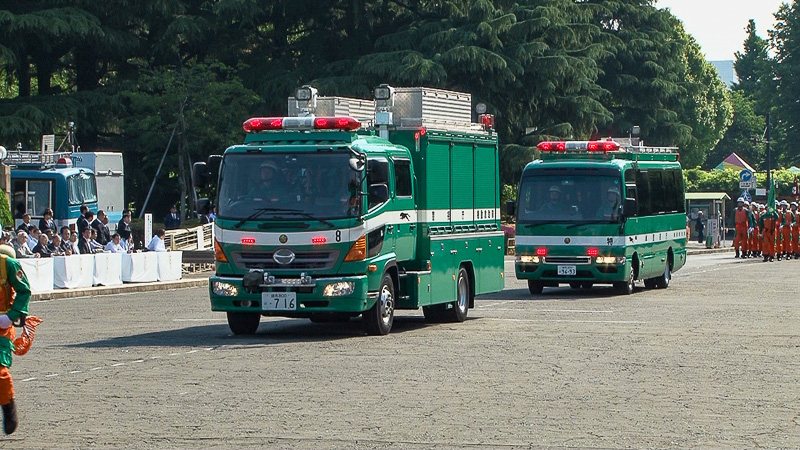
x,y
712,361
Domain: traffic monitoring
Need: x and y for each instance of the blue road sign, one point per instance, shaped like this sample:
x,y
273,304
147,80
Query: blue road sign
x,y
746,195
745,175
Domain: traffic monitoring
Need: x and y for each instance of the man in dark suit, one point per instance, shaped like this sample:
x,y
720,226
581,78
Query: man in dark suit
x,y
173,220
124,228
82,222
26,223
103,233
83,243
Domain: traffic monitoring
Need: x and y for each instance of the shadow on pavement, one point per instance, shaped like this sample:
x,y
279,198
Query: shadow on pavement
x,y
564,293
269,333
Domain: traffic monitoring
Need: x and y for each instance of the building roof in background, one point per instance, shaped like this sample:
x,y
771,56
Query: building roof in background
x,y
735,162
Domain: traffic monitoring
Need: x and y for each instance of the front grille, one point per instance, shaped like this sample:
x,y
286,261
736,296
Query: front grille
x,y
567,259
314,260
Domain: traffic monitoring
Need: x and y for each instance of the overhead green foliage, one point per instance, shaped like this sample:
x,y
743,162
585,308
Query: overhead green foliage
x,y
785,40
547,69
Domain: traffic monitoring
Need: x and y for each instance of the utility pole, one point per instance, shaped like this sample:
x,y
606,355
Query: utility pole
x,y
769,157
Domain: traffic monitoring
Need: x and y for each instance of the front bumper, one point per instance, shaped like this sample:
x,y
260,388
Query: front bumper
x,y
593,272
310,299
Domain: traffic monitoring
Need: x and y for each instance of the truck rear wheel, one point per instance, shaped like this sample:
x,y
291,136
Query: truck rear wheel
x,y
378,319
662,282
243,322
457,311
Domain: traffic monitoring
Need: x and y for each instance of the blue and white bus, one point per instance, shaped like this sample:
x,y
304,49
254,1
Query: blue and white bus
x,y
40,181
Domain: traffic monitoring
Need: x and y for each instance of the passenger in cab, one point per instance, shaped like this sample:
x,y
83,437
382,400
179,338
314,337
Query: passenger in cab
x,y
609,210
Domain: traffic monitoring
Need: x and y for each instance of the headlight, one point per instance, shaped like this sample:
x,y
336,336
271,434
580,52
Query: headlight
x,y
528,259
224,289
339,289
611,260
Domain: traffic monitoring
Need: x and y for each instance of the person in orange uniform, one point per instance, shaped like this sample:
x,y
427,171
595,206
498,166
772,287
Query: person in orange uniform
x,y
755,241
768,223
795,231
15,293
787,221
743,222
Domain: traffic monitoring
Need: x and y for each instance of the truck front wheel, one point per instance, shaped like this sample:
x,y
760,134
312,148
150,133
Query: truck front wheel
x,y
378,319
243,322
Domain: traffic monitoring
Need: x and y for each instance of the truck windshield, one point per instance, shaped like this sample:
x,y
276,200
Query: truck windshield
x,y
319,185
569,198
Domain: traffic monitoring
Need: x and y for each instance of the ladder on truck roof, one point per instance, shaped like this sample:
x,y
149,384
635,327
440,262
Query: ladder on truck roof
x,y
412,107
38,160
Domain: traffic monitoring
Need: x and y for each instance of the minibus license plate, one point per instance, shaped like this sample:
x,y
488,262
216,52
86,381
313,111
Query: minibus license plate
x,y
567,270
278,301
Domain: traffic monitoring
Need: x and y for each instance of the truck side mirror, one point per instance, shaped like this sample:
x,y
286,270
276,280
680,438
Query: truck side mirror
x,y
378,193
629,207
357,164
199,175
511,207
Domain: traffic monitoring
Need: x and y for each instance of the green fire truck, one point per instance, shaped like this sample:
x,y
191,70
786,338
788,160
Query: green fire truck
x,y
351,207
600,212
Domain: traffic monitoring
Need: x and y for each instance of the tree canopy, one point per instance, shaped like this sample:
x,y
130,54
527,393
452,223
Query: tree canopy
x,y
131,74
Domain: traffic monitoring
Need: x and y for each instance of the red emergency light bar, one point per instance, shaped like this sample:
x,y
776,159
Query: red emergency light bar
x,y
551,146
257,124
578,146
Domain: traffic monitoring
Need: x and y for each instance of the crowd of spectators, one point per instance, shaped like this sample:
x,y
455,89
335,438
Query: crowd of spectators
x,y
90,234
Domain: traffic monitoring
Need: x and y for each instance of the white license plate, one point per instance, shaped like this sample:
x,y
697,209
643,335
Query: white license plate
x,y
278,301
567,270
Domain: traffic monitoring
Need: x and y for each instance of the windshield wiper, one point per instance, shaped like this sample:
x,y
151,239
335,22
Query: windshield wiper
x,y
307,215
258,213
589,222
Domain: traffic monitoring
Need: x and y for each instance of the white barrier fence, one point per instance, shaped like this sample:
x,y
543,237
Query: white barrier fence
x,y
101,269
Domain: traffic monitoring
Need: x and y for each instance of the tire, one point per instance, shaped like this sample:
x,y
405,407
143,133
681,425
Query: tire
x,y
378,320
457,310
662,282
626,287
575,284
535,287
243,322
650,283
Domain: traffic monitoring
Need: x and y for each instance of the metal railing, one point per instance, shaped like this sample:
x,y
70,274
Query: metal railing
x,y
26,158
197,238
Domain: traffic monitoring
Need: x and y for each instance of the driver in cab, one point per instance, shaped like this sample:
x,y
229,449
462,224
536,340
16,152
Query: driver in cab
x,y
555,205
610,209
268,189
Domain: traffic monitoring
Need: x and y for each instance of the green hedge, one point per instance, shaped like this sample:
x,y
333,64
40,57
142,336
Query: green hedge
x,y
698,180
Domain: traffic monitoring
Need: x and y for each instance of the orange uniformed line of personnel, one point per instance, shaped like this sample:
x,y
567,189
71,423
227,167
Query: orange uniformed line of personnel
x,y
768,223
743,220
786,223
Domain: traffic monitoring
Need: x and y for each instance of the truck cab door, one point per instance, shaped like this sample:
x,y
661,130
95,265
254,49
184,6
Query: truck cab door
x,y
381,238
405,228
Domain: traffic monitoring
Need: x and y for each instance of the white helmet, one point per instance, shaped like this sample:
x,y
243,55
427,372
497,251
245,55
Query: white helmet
x,y
740,199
